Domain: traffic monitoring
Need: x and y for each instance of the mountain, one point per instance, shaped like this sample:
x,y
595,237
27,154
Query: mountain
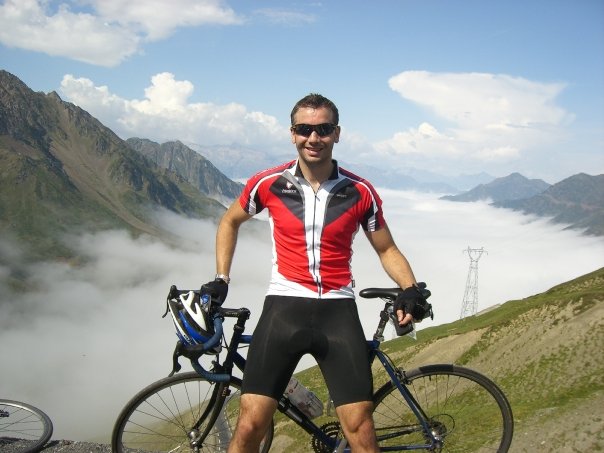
x,y
577,201
512,187
544,352
190,165
458,183
62,171
396,179
240,163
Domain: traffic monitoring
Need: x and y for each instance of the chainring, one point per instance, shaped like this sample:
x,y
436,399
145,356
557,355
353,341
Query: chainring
x,y
332,429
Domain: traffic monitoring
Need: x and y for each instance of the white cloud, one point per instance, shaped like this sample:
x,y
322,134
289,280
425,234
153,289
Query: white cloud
x,y
167,114
286,17
478,122
157,19
108,31
81,36
482,116
95,333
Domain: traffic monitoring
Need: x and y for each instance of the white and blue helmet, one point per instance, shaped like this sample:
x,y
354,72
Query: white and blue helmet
x,y
191,319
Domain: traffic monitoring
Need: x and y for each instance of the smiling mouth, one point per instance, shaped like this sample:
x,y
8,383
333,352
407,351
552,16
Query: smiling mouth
x,y
313,150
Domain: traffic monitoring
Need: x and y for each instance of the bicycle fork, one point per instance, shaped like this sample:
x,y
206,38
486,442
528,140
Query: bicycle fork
x,y
398,378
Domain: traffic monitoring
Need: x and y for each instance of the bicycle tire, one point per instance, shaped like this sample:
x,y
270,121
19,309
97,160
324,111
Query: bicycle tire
x,y
160,417
23,428
467,410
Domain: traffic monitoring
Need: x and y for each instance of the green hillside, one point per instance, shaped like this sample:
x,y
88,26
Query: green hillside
x,y
546,352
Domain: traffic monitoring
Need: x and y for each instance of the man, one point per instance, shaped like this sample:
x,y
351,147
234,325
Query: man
x,y
315,208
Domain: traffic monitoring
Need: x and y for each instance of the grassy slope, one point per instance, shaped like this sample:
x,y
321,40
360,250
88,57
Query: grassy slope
x,y
546,352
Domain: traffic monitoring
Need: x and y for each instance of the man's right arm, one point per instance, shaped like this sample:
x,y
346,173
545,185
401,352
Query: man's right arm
x,y
226,236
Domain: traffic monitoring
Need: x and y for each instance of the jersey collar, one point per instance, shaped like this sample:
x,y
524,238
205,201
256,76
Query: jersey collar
x,y
334,173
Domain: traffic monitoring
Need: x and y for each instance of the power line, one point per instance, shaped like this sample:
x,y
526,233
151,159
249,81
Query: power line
x,y
470,298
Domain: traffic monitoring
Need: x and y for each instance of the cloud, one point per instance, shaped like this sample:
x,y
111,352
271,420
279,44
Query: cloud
x,y
485,117
102,32
82,340
522,251
157,19
286,17
166,113
478,122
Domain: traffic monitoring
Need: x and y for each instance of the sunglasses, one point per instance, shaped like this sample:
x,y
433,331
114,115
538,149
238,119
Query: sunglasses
x,y
322,130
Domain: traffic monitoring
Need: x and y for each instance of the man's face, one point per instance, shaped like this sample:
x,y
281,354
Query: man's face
x,y
315,149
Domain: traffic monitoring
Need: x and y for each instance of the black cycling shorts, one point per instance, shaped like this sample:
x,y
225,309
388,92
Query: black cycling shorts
x,y
328,329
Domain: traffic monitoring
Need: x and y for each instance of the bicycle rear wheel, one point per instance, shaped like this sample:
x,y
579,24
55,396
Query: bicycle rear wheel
x,y
23,427
184,412
466,410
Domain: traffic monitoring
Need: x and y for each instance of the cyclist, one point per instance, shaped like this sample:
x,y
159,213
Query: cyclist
x,y
315,208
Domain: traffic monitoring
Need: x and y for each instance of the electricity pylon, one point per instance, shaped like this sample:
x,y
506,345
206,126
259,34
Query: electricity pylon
x,y
470,297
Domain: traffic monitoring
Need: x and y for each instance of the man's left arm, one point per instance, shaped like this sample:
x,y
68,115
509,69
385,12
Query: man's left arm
x,y
394,262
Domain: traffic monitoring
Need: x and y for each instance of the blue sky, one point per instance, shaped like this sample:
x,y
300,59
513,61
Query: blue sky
x,y
446,86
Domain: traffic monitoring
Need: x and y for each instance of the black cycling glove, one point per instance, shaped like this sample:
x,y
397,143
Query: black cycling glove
x,y
217,289
413,300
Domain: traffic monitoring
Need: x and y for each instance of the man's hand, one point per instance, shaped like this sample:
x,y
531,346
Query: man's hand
x,y
217,289
411,305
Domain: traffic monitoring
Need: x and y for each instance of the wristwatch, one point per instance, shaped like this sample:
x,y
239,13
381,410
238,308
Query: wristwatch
x,y
224,278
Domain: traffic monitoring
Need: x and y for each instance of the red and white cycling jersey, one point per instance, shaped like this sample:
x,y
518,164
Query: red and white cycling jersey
x,y
312,233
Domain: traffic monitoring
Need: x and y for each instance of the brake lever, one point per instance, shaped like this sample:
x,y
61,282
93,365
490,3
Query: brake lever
x,y
171,295
176,367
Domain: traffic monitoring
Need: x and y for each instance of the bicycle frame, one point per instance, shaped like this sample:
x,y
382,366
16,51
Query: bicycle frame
x,y
397,377
222,373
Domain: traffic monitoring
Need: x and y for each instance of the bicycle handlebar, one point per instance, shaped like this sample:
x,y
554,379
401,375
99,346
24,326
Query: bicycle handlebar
x,y
389,295
194,352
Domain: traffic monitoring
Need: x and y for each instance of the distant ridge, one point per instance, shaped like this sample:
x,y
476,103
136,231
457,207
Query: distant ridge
x,y
512,187
577,201
238,162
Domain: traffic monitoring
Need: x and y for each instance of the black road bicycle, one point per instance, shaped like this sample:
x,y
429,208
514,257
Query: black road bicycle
x,y
441,408
23,427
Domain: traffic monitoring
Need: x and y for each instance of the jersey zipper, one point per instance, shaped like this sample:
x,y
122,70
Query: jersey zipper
x,y
316,275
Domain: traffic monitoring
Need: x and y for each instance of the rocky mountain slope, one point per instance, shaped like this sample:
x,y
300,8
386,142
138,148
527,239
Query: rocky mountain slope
x,y
63,171
190,165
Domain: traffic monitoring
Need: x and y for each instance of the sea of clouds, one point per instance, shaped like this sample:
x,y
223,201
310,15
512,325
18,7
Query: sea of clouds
x,y
85,338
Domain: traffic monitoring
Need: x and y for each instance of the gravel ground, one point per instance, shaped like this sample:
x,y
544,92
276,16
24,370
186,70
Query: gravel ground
x,y
56,446
70,446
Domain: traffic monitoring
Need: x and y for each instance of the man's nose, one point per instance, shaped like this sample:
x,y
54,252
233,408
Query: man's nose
x,y
314,136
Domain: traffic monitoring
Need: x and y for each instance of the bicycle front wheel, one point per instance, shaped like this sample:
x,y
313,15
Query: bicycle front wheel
x,y
465,410
184,412
23,427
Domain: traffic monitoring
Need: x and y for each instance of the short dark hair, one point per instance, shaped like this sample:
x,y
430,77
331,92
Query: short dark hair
x,y
314,100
